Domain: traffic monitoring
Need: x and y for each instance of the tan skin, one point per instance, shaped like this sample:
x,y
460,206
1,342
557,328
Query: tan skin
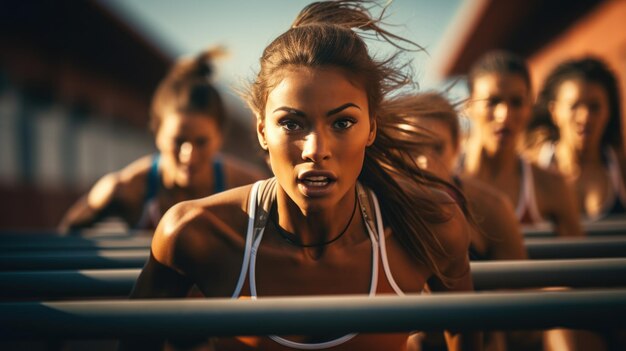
x,y
499,236
316,120
581,112
187,143
500,108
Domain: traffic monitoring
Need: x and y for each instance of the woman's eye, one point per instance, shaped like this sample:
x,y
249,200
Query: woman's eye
x,y
493,101
343,124
594,108
290,125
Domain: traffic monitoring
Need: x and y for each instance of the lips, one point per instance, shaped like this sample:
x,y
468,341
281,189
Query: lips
x,y
502,132
582,130
316,182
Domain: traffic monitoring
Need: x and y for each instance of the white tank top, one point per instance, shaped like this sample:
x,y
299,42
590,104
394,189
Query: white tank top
x,y
258,210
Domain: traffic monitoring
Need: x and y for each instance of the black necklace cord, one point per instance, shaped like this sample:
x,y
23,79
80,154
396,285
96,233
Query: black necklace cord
x,y
289,237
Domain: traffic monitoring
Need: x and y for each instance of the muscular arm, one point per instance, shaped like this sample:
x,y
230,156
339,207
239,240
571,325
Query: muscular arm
x,y
497,221
509,241
455,237
119,193
162,276
98,203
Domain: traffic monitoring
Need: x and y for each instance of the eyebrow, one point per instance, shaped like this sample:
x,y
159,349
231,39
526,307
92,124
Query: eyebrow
x,y
341,108
297,112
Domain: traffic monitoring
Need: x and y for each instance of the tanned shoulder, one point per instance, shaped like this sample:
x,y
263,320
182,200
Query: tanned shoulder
x,y
191,231
484,199
241,173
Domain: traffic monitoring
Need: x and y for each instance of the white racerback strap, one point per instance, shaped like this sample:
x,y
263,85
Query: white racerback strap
x,y
254,235
249,236
527,197
383,248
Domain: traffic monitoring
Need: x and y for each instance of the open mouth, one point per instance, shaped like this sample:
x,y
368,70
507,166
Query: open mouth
x,y
582,131
502,132
316,181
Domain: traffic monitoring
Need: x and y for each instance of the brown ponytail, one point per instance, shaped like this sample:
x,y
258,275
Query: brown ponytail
x,y
188,88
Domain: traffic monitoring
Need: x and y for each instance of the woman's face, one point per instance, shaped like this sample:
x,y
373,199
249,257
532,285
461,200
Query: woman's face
x,y
581,112
316,129
441,157
187,143
500,109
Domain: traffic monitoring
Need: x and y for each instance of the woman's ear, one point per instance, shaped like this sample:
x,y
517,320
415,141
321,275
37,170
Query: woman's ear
x,y
372,136
260,132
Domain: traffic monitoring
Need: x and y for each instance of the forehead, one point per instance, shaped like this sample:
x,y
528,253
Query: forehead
x,y
500,84
188,122
319,87
580,89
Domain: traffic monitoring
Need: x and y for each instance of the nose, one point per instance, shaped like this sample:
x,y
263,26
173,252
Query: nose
x,y
501,113
186,152
582,115
315,147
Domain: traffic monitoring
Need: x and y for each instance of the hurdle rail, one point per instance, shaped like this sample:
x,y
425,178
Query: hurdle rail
x,y
604,227
326,315
31,242
585,247
58,259
583,273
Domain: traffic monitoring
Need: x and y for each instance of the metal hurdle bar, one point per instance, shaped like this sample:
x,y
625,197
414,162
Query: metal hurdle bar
x,y
604,227
325,315
583,273
75,244
56,259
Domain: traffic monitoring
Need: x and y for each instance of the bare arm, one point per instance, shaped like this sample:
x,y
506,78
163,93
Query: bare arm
x,y
161,277
98,203
507,242
455,237
496,220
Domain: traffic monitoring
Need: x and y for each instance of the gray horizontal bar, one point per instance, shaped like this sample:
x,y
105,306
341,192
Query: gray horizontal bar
x,y
89,259
538,248
586,247
587,273
604,227
75,244
324,315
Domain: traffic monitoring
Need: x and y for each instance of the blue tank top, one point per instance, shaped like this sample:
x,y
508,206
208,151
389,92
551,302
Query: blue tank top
x,y
151,213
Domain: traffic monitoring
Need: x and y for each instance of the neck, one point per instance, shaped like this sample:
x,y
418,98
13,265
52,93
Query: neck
x,y
315,227
570,160
481,160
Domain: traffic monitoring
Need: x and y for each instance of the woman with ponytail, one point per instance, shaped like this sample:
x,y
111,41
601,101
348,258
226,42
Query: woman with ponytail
x,y
346,213
187,118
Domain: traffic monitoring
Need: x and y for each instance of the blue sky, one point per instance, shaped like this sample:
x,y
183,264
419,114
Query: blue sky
x,y
245,27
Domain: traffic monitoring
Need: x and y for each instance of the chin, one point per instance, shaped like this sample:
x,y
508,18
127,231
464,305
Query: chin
x,y
183,180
